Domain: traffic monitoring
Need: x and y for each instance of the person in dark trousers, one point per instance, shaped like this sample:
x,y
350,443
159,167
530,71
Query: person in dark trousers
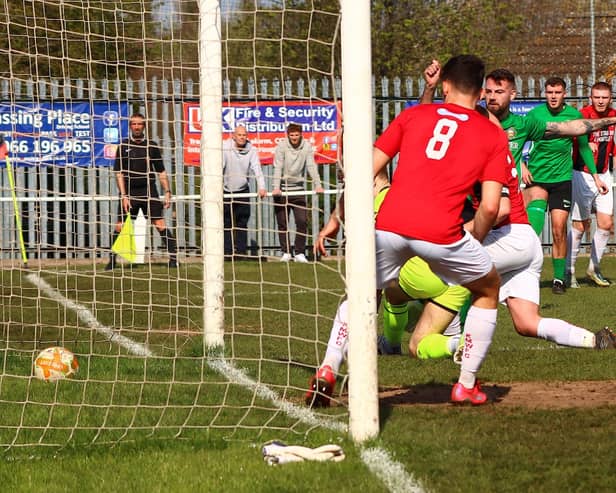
x,y
138,163
240,159
292,159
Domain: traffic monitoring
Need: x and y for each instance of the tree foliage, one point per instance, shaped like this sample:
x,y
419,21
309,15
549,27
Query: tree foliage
x,y
282,39
408,34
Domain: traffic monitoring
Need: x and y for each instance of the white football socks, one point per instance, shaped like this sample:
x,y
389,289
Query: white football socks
x,y
454,327
564,333
338,339
573,248
478,332
599,243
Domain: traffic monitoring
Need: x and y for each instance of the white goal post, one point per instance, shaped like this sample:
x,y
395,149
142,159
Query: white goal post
x,y
360,271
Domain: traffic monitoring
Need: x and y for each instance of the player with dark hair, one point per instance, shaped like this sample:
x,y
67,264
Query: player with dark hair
x,y
548,175
464,258
586,196
138,163
293,157
421,214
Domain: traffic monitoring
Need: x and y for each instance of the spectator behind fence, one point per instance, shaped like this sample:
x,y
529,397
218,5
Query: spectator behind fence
x,y
137,162
293,157
240,160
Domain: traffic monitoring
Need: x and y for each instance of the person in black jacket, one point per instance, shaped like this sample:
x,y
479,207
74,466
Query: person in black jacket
x,y
137,164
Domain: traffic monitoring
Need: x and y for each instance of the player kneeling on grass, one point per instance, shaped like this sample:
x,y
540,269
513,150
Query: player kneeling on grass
x,y
517,254
436,334
518,258
418,282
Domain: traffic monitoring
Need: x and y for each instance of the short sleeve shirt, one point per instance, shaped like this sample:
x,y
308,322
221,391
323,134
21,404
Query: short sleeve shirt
x,y
443,150
139,162
550,160
520,129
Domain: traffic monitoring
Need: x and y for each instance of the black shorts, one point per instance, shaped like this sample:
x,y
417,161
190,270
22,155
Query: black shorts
x,y
152,208
559,194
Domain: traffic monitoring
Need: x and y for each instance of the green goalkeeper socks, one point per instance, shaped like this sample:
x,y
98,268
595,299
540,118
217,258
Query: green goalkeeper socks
x,y
536,214
395,319
434,346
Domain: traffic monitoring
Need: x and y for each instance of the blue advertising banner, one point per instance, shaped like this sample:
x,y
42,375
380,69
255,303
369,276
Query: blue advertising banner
x,y
523,107
63,133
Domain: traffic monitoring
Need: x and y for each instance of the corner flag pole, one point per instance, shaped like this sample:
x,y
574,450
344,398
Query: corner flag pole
x,y
22,245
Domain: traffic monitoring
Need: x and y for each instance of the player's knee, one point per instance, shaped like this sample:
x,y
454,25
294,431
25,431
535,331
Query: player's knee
x,y
492,282
526,329
605,223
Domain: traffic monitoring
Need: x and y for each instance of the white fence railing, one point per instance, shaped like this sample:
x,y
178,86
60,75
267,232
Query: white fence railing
x,y
70,212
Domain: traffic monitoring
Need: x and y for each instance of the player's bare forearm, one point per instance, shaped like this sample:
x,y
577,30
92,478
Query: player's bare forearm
x,y
483,222
575,128
427,95
330,230
164,181
120,183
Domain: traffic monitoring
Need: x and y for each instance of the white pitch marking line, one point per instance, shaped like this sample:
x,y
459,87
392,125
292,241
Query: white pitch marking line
x,y
392,473
86,316
378,460
304,414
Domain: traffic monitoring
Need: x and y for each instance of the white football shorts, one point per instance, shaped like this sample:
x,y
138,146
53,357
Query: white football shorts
x,y
516,252
457,263
586,197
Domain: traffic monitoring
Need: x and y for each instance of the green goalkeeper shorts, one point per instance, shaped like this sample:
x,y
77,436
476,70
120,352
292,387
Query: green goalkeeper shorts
x,y
419,282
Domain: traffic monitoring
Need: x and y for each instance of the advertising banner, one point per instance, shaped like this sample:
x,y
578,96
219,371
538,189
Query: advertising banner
x,y
266,123
63,133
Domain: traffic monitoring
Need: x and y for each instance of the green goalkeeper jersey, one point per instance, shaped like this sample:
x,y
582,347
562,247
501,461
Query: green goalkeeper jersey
x,y
550,160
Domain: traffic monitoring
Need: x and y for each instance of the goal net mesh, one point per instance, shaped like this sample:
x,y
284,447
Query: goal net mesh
x,y
73,72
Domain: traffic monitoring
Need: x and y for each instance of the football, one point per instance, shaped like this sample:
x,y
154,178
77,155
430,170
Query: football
x,y
55,363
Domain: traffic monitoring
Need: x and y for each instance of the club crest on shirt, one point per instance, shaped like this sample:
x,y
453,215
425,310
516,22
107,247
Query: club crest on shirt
x,y
511,133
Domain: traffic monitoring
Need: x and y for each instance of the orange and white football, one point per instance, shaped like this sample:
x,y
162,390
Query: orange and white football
x,y
55,363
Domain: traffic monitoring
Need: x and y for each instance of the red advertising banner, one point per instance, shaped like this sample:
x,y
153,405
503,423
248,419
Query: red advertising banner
x,y
266,123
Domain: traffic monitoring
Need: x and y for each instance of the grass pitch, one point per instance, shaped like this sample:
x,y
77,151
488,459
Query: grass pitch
x,y
170,422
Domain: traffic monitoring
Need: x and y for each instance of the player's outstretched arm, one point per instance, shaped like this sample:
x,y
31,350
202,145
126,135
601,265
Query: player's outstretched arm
x,y
575,128
330,230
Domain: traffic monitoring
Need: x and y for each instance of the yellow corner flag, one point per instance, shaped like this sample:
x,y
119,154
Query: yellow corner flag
x,y
125,245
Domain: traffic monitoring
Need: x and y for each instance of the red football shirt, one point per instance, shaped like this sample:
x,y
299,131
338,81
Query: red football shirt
x,y
517,213
604,138
444,149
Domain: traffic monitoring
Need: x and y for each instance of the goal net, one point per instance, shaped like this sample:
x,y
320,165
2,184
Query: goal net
x,y
173,337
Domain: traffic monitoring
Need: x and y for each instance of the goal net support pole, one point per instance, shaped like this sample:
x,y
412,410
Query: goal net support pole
x,y
360,251
212,240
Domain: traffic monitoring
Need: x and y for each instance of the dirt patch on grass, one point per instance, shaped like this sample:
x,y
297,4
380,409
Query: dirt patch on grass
x,y
532,395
